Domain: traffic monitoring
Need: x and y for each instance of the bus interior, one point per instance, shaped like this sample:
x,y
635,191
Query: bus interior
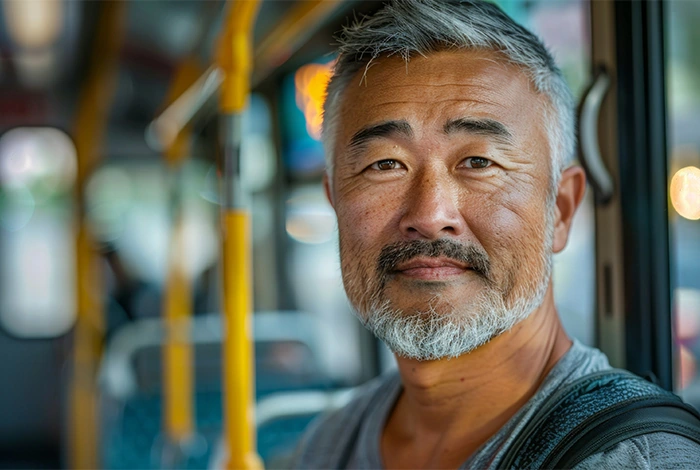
x,y
119,123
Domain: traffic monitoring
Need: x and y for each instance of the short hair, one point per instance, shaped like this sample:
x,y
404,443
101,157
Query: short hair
x,y
409,27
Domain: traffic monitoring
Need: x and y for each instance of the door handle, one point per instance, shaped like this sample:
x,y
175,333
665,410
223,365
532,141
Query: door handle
x,y
589,147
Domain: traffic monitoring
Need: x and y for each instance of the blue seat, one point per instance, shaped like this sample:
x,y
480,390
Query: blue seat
x,y
136,440
132,405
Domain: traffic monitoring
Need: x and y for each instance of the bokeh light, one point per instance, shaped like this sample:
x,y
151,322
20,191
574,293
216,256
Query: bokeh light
x,y
34,24
108,199
311,82
310,218
685,192
42,159
201,241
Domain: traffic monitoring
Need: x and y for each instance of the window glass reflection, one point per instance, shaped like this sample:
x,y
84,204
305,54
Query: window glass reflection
x,y
683,102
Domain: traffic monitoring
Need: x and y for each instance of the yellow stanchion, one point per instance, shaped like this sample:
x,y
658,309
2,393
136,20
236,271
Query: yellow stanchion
x,y
237,348
90,123
177,353
87,344
234,57
178,373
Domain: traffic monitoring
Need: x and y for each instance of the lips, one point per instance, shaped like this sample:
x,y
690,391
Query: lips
x,y
431,268
432,259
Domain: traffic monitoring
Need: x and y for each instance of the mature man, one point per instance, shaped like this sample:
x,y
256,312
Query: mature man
x,y
450,135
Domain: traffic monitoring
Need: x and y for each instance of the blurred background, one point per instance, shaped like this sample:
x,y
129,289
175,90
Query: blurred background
x,y
104,232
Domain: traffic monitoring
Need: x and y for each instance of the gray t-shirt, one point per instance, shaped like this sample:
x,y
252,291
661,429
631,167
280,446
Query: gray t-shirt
x,y
351,436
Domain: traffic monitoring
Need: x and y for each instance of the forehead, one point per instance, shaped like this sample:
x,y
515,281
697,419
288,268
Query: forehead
x,y
430,90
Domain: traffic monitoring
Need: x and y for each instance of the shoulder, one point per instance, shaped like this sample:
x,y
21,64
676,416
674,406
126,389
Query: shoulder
x,y
329,435
650,451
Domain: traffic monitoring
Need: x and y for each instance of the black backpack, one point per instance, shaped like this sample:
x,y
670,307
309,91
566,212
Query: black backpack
x,y
595,413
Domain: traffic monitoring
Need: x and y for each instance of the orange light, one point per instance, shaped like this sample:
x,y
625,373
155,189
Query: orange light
x,y
685,192
311,82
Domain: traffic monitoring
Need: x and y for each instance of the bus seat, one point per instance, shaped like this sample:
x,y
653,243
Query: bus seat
x,y
131,380
135,440
274,333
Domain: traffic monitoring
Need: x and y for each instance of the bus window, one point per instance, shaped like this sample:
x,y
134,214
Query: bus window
x,y
683,102
37,171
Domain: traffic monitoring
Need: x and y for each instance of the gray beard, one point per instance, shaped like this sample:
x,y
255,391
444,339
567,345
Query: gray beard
x,y
446,331
439,334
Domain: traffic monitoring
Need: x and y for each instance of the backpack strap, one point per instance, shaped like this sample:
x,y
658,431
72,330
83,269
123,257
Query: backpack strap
x,y
643,418
595,413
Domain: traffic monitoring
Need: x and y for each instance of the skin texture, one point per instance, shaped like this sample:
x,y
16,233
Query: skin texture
x,y
426,185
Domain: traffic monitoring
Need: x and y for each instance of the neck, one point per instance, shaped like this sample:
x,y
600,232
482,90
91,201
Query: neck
x,y
452,406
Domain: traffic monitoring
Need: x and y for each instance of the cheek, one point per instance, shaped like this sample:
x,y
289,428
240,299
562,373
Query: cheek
x,y
356,220
511,231
360,241
499,231
367,222
357,229
369,217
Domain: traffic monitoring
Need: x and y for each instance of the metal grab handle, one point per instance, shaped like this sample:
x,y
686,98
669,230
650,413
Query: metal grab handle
x,y
592,161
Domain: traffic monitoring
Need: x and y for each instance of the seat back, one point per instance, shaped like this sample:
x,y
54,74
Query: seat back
x,y
131,383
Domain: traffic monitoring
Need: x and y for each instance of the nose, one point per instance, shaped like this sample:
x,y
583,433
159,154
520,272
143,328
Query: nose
x,y
433,210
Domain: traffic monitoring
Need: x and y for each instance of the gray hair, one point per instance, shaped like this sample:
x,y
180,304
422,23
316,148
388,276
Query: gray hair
x,y
407,27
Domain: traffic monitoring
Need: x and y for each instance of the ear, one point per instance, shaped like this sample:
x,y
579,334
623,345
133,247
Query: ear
x,y
570,192
327,189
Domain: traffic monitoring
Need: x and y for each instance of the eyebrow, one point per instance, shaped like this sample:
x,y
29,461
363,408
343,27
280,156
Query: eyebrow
x,y
486,127
377,131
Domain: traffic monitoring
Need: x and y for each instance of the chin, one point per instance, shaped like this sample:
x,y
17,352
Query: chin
x,y
441,329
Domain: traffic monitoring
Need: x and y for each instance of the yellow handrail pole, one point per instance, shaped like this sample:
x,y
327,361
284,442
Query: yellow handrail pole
x,y
178,383
90,123
177,352
234,57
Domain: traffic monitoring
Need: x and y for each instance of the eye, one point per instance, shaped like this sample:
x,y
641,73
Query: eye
x,y
477,162
386,165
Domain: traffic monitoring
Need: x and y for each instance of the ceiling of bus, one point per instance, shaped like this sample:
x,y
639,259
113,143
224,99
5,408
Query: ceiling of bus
x,y
40,81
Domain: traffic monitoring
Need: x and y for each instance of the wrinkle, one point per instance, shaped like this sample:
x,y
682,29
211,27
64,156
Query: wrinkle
x,y
462,101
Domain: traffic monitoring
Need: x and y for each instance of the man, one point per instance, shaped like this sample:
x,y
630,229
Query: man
x,y
450,135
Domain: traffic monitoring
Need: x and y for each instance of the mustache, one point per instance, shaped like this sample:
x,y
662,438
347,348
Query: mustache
x,y
392,255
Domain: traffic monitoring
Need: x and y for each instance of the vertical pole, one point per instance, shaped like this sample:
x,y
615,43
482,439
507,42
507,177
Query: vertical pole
x,y
235,61
91,119
178,381
178,384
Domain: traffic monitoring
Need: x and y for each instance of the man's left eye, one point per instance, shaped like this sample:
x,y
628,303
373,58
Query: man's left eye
x,y
477,162
386,165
